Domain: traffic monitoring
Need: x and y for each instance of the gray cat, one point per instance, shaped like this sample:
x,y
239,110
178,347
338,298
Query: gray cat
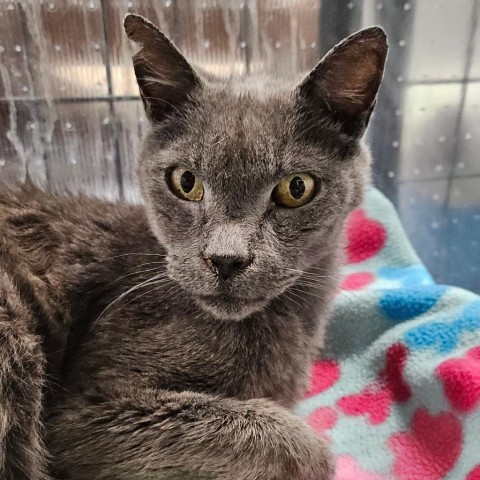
x,y
169,341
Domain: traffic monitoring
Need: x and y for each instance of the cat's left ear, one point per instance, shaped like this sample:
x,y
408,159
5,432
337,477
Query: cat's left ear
x,y
344,84
165,78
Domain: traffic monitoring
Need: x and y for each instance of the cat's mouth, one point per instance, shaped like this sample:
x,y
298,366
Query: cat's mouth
x,y
229,307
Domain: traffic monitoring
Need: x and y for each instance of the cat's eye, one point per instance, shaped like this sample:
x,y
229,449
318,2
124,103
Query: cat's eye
x,y
294,190
185,184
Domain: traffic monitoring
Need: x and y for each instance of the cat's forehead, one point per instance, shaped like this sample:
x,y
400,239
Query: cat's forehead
x,y
245,128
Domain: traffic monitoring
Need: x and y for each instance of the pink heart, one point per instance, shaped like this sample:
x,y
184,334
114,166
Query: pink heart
x,y
430,449
324,374
461,380
365,237
323,419
474,474
393,375
356,281
349,469
374,401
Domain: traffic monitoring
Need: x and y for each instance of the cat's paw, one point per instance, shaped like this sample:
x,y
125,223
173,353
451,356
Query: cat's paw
x,y
289,449
311,459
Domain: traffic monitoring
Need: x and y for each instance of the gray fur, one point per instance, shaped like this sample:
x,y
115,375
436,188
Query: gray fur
x,y
122,354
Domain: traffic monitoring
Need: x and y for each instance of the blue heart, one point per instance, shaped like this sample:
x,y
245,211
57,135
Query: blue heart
x,y
442,335
406,303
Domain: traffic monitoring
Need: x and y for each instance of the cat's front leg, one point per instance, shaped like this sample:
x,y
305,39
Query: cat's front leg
x,y
159,435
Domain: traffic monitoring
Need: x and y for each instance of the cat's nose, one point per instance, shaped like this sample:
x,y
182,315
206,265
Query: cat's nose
x,y
226,266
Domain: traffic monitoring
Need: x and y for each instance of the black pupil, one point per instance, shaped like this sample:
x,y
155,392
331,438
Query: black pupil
x,y
187,181
297,188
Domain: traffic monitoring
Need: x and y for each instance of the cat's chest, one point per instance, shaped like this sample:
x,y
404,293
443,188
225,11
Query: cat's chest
x,y
265,357
244,359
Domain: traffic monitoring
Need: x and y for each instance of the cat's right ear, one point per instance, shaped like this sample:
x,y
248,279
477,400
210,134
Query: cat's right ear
x,y
165,78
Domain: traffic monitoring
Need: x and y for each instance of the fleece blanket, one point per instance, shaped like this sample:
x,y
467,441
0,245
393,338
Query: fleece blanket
x,y
397,391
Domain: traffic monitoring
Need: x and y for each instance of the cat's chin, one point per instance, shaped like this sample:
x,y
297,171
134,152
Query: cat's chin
x,y
236,309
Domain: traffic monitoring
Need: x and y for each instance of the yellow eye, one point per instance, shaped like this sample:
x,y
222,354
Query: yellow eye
x,y
294,190
185,185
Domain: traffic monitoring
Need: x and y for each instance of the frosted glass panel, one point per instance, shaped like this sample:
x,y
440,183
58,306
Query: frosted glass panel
x,y
429,126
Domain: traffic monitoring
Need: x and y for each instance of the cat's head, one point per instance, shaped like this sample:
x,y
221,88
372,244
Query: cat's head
x,y
248,181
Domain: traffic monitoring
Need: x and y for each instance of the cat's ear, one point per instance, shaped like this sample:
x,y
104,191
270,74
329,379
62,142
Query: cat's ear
x,y
346,81
165,78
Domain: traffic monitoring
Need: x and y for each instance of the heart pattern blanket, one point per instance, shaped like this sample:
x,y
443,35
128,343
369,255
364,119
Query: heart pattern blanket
x,y
397,391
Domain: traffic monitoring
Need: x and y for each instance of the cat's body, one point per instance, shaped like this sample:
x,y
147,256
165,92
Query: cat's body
x,y
162,341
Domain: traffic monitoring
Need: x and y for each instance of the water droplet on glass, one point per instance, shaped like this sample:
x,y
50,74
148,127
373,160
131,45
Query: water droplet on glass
x,y
73,161
58,48
30,126
313,44
106,121
25,89
2,48
2,162
435,225
395,144
10,6
461,165
243,44
400,79
51,6
206,43
402,43
97,46
442,138
130,4
438,168
278,44
407,7
391,174
350,5
18,48
436,196
68,125
468,136
91,5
